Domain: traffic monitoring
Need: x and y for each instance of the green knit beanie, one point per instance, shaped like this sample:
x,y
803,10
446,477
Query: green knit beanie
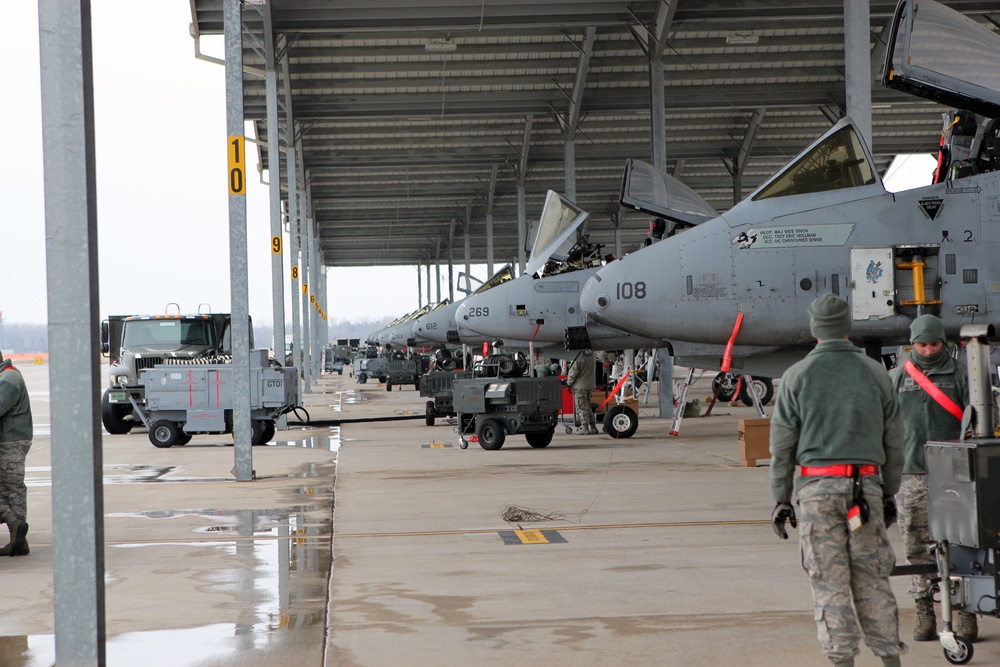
x,y
927,329
829,317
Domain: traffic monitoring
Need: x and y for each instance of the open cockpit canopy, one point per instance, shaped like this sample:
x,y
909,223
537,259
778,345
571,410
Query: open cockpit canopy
x,y
650,190
937,53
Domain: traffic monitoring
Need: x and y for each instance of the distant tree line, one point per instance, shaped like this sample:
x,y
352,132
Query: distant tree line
x,y
21,338
24,338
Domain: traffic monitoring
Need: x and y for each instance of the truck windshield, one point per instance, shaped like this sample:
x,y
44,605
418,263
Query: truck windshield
x,y
166,334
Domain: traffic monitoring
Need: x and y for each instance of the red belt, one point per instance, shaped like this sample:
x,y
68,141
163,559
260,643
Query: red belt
x,y
843,470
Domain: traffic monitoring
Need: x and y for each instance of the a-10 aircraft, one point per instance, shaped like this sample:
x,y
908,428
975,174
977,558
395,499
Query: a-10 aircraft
x,y
826,224
543,305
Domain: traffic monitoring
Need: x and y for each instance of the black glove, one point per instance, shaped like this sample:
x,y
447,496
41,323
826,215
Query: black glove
x,y
889,510
783,512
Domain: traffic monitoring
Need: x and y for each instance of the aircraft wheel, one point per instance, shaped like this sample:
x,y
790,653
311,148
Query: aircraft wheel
x,y
362,378
163,433
539,440
964,653
114,416
430,413
621,422
764,387
727,382
388,385
491,434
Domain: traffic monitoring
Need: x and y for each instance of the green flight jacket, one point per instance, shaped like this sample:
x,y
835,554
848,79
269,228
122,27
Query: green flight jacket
x,y
15,410
923,418
835,406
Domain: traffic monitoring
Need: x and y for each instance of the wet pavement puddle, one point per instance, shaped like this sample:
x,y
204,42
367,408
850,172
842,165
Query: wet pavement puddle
x,y
276,580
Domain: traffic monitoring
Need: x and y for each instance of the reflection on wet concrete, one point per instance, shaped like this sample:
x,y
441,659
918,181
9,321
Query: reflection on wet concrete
x,y
330,441
278,580
142,473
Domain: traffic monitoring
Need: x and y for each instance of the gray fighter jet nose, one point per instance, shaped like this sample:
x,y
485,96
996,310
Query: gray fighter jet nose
x,y
594,298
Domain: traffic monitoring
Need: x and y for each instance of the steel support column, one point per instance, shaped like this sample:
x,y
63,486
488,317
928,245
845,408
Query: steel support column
x,y
274,192
292,177
858,67
489,221
238,269
74,365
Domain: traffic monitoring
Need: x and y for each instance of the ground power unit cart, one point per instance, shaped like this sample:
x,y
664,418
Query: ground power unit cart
x,y
182,401
493,407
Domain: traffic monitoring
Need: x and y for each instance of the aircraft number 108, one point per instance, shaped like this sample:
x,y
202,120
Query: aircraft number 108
x,y
636,290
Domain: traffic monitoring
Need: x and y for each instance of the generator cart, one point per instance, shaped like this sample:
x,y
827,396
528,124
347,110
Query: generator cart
x,y
963,503
495,405
181,401
439,387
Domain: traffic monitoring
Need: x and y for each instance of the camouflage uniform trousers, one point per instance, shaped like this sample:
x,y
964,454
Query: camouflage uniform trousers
x,y
845,565
13,492
914,524
581,407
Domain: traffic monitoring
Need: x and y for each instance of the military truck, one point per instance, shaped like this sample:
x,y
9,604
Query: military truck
x,y
137,342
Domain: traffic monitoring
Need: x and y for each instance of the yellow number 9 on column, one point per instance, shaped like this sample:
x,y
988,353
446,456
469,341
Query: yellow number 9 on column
x,y
276,245
237,160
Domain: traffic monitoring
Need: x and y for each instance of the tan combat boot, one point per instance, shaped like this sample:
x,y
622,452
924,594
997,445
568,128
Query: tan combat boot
x,y
968,626
926,628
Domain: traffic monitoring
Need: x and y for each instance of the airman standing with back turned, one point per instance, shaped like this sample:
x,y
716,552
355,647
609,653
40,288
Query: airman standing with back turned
x,y
837,418
15,441
931,413
582,377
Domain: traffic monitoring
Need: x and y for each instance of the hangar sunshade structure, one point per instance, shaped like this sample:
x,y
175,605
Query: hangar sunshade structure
x,y
417,119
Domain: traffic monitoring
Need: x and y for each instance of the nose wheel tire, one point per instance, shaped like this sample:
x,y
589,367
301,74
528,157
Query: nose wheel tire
x,y
764,387
725,383
429,413
621,421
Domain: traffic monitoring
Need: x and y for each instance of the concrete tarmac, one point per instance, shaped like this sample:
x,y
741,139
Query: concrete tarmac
x,y
654,550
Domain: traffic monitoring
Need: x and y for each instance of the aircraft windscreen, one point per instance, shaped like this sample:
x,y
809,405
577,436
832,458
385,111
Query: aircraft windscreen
x,y
499,278
443,304
837,162
166,333
559,218
946,57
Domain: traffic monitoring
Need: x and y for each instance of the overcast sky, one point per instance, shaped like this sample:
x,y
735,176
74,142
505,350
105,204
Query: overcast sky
x,y
162,213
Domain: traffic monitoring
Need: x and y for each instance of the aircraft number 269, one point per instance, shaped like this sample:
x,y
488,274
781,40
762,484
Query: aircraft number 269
x,y
479,312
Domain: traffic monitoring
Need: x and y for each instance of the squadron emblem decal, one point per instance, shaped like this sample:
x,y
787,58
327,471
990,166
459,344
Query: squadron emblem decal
x,y
745,239
874,271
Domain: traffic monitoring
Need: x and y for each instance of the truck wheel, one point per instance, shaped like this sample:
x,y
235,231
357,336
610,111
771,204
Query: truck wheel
x,y
183,440
430,413
621,422
114,416
163,433
539,439
362,378
491,434
764,387
388,385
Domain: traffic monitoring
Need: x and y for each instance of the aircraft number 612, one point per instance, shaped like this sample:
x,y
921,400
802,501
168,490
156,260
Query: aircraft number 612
x,y
636,290
479,312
